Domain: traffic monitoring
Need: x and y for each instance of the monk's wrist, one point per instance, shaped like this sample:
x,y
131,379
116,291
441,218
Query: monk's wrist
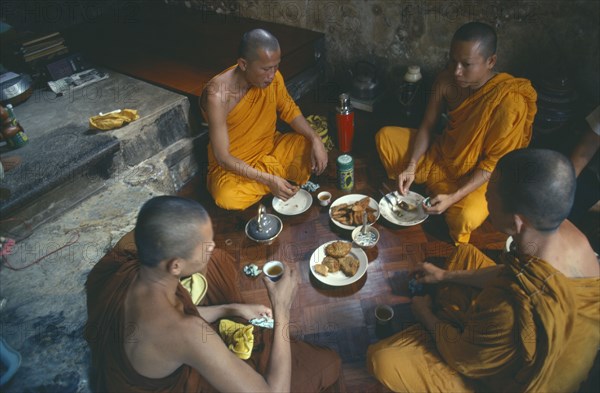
x,y
281,315
315,139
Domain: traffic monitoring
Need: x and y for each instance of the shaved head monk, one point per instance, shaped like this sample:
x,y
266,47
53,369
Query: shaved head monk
x,y
490,114
248,158
528,324
147,333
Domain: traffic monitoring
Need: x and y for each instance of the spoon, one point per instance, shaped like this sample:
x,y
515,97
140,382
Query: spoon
x,y
364,226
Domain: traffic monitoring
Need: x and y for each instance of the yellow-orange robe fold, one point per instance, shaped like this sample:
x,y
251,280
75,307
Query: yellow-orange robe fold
x,y
495,120
531,329
253,138
314,368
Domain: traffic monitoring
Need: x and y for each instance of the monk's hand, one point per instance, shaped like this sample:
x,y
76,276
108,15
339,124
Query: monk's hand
x,y
251,311
439,204
428,273
318,158
282,189
405,179
283,292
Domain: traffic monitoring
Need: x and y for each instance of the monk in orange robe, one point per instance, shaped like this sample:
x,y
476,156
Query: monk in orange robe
x,y
489,115
531,323
146,334
247,157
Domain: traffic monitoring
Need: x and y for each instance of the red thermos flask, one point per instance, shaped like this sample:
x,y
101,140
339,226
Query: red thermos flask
x,y
345,123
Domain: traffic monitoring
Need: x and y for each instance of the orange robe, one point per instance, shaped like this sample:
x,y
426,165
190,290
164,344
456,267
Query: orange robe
x,y
314,368
253,139
493,121
531,329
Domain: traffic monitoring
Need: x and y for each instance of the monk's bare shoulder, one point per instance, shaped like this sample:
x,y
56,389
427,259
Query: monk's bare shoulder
x,y
214,93
580,258
221,93
571,253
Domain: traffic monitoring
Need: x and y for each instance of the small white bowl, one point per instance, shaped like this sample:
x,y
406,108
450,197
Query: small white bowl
x,y
273,270
357,237
324,198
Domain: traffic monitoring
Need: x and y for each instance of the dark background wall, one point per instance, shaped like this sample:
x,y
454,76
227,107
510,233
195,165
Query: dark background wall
x,y
535,37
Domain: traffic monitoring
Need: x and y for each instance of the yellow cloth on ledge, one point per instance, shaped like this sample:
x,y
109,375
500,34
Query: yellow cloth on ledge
x,y
196,285
238,337
108,121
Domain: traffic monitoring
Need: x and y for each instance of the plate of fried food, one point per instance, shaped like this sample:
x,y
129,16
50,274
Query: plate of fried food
x,y
347,212
338,263
403,210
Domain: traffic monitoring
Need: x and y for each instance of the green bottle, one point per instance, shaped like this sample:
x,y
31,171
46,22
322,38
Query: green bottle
x,y
345,172
20,138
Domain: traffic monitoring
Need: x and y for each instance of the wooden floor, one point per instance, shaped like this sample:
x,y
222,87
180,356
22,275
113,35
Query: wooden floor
x,y
340,317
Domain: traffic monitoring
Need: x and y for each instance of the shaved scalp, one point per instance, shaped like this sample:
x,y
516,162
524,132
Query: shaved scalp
x,y
480,32
538,184
254,40
167,227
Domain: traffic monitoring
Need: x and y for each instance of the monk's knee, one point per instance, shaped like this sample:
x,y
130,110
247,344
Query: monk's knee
x,y
462,221
230,198
383,137
379,364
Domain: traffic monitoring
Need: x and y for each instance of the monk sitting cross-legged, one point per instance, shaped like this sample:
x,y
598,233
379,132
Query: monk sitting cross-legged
x,y
529,324
147,334
247,157
489,115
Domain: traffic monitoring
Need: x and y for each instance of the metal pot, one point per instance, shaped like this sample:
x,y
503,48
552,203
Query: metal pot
x,y
365,84
15,88
264,228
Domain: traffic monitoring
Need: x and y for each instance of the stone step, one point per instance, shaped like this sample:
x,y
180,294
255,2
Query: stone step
x,y
65,162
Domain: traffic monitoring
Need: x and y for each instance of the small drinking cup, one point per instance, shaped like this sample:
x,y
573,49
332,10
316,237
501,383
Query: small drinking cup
x,y
273,270
324,198
384,314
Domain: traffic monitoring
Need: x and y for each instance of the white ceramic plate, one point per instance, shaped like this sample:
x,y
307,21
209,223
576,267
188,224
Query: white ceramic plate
x,y
408,218
350,199
339,279
297,204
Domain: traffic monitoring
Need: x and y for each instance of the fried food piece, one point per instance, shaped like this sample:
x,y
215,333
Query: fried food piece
x,y
357,217
342,205
338,249
339,209
321,269
371,217
332,264
345,220
351,214
357,207
349,265
406,206
364,203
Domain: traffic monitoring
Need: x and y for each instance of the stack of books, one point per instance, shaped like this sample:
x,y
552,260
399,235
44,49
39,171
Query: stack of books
x,y
43,48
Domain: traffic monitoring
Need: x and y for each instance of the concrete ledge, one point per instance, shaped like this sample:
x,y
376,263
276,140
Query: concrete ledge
x,y
65,162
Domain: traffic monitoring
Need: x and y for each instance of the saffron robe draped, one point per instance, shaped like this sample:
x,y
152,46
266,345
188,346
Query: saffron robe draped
x,y
493,121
